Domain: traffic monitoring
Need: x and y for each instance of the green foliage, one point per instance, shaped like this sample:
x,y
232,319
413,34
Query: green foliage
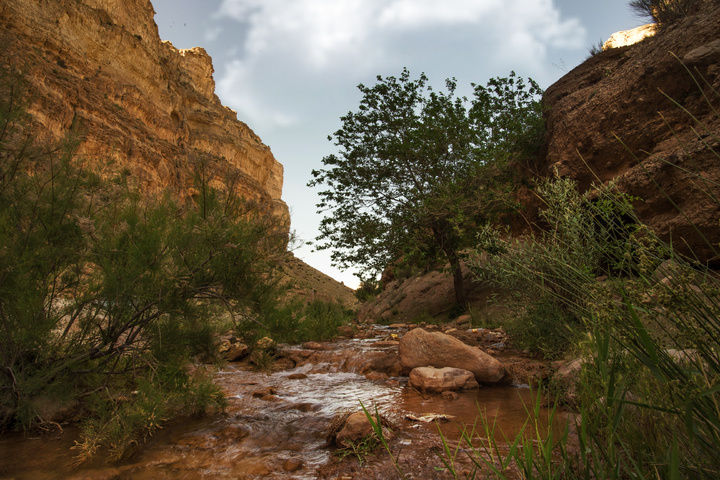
x,y
550,276
667,12
544,328
648,389
104,292
359,449
294,322
419,169
368,290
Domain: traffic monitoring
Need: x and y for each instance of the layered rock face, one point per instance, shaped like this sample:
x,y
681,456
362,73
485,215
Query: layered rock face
x,y
629,92
143,106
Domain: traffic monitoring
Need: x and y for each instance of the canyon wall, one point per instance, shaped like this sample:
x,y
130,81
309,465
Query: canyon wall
x,y
142,106
619,117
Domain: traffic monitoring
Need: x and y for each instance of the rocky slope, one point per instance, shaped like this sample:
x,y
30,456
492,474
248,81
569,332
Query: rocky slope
x,y
614,118
145,107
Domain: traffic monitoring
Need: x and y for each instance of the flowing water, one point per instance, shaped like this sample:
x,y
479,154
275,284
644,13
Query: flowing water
x,y
276,426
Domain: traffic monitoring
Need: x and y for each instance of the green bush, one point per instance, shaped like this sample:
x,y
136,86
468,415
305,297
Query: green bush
x,y
104,292
293,321
667,12
549,276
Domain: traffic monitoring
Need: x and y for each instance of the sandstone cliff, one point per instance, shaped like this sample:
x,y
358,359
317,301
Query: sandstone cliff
x,y
626,92
144,106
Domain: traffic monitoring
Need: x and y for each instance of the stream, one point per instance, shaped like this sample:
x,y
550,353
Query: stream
x,y
276,425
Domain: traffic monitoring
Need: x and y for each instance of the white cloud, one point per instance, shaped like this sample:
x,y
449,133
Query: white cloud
x,y
316,43
213,34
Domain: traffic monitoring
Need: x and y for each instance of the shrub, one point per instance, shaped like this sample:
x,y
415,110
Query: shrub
x,y
104,292
667,12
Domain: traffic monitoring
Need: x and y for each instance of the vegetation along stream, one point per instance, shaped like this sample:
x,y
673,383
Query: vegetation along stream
x,y
276,424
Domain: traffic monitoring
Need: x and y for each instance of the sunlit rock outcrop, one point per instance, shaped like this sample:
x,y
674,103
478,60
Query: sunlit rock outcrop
x,y
143,106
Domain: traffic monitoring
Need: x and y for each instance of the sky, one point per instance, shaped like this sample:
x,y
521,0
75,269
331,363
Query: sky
x,y
290,68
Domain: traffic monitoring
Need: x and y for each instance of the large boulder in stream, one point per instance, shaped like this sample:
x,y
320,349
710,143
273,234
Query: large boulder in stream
x,y
419,348
439,380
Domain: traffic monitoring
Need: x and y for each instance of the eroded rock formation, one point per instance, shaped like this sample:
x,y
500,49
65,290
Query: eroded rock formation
x,y
145,107
614,118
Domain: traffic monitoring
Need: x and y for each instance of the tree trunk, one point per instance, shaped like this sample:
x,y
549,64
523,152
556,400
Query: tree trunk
x,y
458,281
447,247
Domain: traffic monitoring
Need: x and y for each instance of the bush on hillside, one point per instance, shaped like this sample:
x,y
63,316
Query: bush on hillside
x,y
667,12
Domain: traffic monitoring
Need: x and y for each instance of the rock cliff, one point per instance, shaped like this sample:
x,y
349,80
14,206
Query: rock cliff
x,y
145,107
614,118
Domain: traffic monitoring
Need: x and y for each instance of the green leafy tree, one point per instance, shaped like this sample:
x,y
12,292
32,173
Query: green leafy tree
x,y
418,169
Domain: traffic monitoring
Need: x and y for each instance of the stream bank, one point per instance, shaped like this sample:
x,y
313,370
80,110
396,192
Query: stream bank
x,y
276,423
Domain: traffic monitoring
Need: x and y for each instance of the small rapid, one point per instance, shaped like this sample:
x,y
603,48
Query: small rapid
x,y
276,423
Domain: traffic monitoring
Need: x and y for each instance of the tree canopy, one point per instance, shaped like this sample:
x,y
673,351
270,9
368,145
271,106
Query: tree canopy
x,y
418,169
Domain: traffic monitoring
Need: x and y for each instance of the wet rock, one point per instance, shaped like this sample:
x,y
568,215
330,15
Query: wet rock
x,y
398,326
388,364
419,348
292,464
346,331
234,352
304,407
355,427
296,376
439,380
266,393
315,346
376,376
232,433
450,395
386,343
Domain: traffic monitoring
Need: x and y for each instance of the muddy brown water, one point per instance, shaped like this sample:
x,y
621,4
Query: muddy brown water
x,y
275,427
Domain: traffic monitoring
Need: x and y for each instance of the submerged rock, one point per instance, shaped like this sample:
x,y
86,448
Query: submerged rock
x,y
419,348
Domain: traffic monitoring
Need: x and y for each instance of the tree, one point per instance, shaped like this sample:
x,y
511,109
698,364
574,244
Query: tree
x,y
417,170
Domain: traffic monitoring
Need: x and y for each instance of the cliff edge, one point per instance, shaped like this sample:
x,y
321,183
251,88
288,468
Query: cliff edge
x,y
143,106
617,117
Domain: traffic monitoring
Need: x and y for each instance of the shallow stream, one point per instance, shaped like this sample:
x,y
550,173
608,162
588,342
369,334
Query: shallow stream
x,y
276,426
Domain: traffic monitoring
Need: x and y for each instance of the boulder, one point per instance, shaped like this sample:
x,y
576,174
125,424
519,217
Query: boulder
x,y
440,380
388,364
234,351
352,428
419,348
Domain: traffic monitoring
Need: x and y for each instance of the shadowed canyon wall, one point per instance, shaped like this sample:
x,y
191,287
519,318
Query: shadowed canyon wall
x,y
614,118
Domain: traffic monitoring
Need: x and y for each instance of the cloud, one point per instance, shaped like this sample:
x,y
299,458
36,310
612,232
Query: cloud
x,y
319,43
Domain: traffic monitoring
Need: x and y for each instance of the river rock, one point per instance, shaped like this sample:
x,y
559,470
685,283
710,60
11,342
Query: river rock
x,y
419,348
352,428
448,395
439,380
356,428
388,364
235,352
